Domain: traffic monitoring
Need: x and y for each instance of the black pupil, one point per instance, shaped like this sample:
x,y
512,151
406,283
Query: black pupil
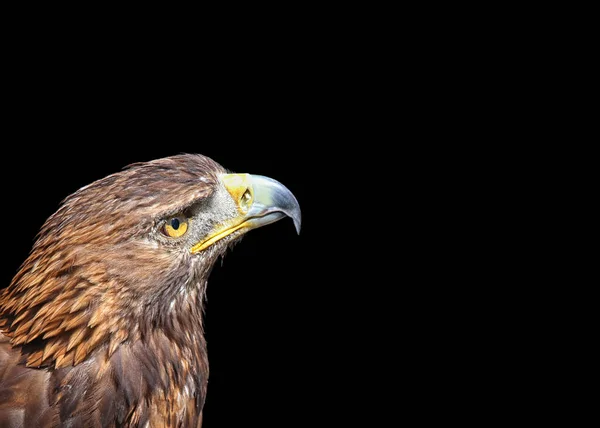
x,y
175,223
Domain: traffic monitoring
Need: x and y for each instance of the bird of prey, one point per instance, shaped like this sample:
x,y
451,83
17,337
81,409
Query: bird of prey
x,y
102,324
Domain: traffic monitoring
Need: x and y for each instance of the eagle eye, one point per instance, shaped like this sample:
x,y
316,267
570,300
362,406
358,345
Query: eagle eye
x,y
175,227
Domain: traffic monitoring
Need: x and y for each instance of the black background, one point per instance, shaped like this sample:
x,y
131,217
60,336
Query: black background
x,y
362,122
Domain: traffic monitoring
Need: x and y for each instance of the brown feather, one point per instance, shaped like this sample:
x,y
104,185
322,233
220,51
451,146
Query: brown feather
x,y
51,329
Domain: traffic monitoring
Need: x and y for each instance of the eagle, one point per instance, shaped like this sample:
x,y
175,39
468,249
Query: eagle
x,y
102,325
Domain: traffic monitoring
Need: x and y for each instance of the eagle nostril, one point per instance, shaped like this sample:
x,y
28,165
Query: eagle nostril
x,y
246,199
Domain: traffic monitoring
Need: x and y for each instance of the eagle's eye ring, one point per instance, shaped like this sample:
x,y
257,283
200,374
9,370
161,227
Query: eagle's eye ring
x,y
175,227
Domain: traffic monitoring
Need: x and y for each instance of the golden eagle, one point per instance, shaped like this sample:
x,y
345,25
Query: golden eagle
x,y
102,324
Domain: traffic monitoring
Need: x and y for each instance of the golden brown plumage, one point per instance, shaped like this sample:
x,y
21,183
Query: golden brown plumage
x,y
102,325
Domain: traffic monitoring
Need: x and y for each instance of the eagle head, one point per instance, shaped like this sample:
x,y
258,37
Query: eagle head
x,y
129,256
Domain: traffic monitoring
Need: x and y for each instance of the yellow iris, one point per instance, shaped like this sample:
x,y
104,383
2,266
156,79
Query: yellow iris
x,y
175,227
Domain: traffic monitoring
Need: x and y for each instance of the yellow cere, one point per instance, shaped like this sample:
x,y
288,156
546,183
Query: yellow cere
x,y
240,189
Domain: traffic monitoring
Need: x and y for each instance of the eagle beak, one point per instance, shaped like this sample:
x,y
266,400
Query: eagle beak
x,y
260,201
